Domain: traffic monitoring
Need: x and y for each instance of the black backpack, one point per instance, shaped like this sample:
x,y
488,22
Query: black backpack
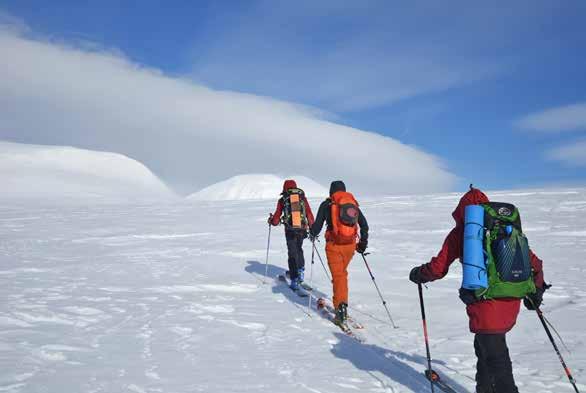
x,y
294,214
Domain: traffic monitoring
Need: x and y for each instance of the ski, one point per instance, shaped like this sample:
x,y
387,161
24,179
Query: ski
x,y
438,382
300,292
321,302
345,327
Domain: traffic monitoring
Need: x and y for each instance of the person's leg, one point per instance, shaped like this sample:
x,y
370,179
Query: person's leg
x,y
483,384
498,362
292,250
339,257
336,264
347,255
300,257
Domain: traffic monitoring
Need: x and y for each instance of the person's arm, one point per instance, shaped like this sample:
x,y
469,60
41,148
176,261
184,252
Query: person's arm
x,y
276,217
363,225
320,218
537,266
533,300
308,212
439,265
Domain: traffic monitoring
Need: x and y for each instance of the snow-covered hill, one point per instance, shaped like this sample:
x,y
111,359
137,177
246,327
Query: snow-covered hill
x,y
255,186
59,172
169,298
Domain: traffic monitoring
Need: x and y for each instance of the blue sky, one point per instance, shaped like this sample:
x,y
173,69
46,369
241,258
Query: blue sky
x,y
482,86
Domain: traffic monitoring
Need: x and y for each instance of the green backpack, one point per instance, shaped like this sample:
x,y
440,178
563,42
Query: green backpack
x,y
508,260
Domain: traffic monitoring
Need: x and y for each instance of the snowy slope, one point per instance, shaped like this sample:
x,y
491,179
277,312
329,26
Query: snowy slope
x,y
255,186
169,298
57,172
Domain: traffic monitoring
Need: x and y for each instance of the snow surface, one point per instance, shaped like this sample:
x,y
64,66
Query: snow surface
x,y
60,172
256,186
169,298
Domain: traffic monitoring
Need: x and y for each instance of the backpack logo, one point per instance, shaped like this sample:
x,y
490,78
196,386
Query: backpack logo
x,y
505,211
352,212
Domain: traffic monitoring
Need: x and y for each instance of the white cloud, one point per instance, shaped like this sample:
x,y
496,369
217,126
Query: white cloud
x,y
188,134
9,22
565,118
353,55
573,154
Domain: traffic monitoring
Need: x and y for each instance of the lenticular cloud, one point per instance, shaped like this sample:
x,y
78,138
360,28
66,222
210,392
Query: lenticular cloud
x,y
188,134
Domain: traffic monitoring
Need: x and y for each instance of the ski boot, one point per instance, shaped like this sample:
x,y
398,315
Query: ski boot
x,y
341,318
294,284
302,283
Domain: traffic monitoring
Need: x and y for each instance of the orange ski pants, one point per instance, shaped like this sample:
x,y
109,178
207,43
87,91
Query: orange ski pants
x,y
339,257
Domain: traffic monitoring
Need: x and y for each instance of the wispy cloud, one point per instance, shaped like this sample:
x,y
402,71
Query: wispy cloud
x,y
9,22
352,57
560,119
187,133
573,154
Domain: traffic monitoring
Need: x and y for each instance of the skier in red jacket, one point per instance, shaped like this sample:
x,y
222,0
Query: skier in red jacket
x,y
294,212
490,320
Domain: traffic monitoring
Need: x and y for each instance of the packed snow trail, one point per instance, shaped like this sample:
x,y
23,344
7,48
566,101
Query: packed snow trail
x,y
169,298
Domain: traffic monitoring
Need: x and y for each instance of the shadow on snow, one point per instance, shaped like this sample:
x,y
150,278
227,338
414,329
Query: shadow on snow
x,y
257,269
367,357
394,364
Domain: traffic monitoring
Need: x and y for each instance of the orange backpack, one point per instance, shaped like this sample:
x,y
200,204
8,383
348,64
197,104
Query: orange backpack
x,y
345,214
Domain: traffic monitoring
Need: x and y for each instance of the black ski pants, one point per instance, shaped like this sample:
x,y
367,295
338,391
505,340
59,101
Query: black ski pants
x,y
494,372
295,250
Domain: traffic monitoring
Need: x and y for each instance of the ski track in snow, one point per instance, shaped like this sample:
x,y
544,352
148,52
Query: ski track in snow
x,y
170,298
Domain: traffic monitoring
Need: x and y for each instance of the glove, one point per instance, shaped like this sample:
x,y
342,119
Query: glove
x,y
533,301
415,275
361,246
468,296
312,237
270,220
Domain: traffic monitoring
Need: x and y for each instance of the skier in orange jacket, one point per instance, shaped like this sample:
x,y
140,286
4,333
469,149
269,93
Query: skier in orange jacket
x,y
343,217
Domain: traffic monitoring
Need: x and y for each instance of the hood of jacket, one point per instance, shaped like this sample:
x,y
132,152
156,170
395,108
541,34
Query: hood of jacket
x,y
472,197
289,184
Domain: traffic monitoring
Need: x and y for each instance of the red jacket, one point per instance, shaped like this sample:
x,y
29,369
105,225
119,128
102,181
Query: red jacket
x,y
289,184
486,316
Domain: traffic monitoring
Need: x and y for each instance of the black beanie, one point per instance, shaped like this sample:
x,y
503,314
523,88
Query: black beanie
x,y
336,186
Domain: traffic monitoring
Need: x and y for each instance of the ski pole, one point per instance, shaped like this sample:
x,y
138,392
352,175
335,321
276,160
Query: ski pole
x,y
268,247
311,274
378,290
429,373
322,263
566,369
